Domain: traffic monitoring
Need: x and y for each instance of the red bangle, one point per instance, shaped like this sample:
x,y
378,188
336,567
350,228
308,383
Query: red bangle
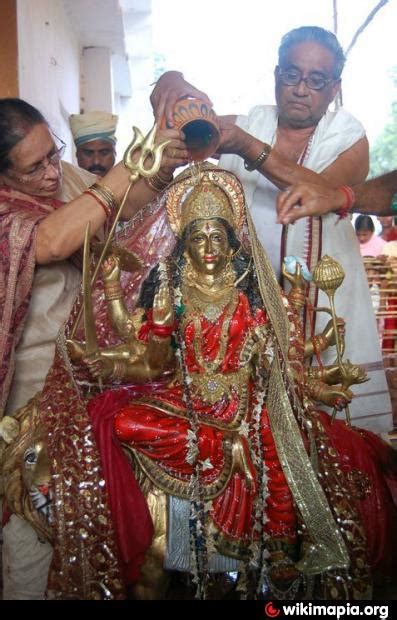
x,y
349,201
104,206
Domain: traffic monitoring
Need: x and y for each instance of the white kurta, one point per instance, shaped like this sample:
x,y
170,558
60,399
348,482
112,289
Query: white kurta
x,y
335,133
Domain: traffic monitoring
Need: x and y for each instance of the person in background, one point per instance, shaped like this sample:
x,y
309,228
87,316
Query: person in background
x,y
370,243
300,140
389,230
95,140
45,206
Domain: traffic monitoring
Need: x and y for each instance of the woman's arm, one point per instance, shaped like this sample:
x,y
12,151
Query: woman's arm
x,y
62,232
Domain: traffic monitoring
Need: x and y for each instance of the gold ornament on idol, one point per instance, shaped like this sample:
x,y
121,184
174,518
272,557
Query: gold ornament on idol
x,y
210,193
328,275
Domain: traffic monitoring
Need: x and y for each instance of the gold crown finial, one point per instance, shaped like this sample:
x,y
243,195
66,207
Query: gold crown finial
x,y
206,201
212,192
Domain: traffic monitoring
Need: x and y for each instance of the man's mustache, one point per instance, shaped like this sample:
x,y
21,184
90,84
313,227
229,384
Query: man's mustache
x,y
97,169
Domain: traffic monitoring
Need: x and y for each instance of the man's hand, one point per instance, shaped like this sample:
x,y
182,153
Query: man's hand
x,y
233,139
170,87
175,153
307,199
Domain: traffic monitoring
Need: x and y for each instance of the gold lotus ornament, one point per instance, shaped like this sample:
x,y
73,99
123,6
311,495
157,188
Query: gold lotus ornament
x,y
328,275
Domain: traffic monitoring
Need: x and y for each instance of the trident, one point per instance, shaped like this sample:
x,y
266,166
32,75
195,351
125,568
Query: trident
x,y
147,149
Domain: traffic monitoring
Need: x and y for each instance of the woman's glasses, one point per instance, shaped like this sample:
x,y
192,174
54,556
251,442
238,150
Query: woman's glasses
x,y
38,171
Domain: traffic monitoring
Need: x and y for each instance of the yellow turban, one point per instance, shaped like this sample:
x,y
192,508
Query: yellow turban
x,y
93,126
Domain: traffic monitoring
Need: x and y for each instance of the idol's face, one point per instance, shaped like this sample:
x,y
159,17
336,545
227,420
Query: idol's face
x,y
208,247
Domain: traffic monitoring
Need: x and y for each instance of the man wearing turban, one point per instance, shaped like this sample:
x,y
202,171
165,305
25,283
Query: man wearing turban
x,y
95,140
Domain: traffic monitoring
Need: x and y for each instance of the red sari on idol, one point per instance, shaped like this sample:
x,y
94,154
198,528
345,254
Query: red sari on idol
x,y
153,420
158,427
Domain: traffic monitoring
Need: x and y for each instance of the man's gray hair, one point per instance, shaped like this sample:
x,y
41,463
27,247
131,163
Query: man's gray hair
x,y
323,37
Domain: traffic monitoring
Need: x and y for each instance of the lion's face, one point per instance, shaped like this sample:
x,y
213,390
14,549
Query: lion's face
x,y
36,475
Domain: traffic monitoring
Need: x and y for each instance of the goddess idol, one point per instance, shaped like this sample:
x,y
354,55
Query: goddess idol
x,y
206,452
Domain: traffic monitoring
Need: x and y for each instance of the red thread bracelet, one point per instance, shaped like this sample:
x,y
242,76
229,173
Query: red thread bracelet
x,y
343,212
148,328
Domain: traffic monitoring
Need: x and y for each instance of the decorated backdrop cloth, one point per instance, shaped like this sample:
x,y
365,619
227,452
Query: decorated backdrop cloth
x,y
312,238
87,562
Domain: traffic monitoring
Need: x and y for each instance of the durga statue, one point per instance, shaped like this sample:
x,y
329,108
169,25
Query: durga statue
x,y
205,453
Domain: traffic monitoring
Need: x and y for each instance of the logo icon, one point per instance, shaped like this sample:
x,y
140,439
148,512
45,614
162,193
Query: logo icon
x,y
271,611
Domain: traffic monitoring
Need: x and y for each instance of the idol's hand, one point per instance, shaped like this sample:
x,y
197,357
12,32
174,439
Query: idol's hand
x,y
170,87
329,332
337,397
351,374
111,269
76,350
99,367
163,313
296,279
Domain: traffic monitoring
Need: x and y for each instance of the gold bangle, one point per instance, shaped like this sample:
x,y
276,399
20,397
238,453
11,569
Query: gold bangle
x,y
105,194
103,204
164,179
157,184
297,298
262,157
119,370
113,291
319,344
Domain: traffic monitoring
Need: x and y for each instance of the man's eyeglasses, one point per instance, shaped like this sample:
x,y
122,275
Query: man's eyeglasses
x,y
38,171
293,77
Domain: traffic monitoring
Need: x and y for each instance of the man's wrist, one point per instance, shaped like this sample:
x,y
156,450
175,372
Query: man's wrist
x,y
254,162
349,198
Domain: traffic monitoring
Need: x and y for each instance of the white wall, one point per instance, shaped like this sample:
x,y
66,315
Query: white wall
x,y
96,80
136,110
48,63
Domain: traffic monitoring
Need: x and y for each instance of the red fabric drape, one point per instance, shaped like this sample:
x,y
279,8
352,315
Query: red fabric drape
x,y
360,450
130,513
